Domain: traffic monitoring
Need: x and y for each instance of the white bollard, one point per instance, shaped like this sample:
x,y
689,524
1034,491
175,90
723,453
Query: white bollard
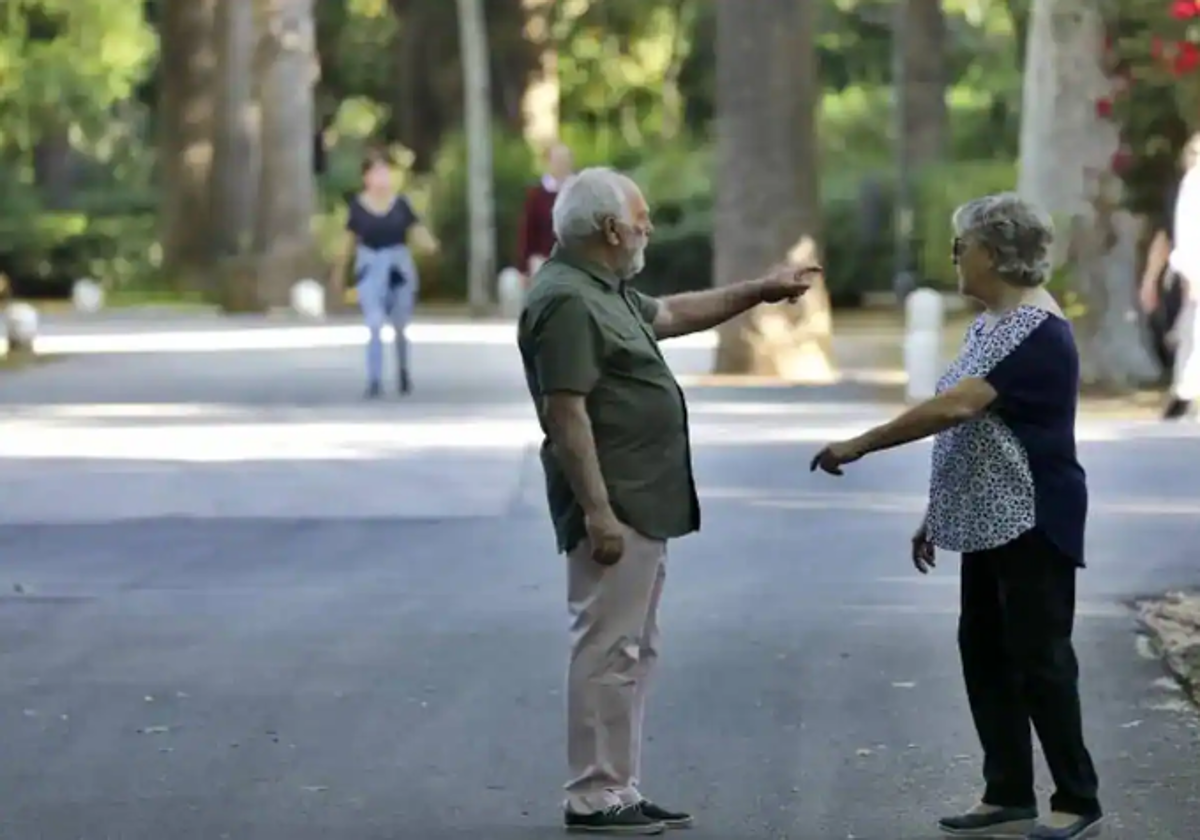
x,y
924,317
87,295
308,299
20,327
510,286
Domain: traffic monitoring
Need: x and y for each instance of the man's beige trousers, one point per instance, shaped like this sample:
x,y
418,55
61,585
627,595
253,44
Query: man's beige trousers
x,y
614,644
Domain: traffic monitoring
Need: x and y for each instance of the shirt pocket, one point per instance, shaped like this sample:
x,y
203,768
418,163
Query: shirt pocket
x,y
629,350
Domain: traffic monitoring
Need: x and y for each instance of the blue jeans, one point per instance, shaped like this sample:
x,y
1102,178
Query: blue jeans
x,y
379,305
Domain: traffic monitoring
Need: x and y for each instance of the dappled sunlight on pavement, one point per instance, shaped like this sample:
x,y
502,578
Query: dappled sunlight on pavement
x,y
225,566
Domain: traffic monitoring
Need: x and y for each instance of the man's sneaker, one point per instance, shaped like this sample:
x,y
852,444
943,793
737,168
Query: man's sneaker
x,y
990,821
620,819
671,819
1060,826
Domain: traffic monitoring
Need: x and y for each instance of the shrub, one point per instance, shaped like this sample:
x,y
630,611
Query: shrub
x,y
514,169
44,254
1152,55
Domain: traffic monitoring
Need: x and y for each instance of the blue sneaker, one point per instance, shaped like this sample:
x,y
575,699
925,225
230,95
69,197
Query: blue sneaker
x,y
990,821
1060,826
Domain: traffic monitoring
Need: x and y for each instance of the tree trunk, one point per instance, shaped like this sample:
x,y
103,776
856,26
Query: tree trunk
x,y
287,68
923,47
54,165
236,153
767,203
186,93
473,47
235,169
1066,152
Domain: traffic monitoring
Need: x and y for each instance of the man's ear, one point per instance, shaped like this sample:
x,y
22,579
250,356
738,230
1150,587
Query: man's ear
x,y
610,232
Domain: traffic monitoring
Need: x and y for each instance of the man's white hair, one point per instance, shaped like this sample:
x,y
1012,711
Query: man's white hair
x,y
1018,235
586,200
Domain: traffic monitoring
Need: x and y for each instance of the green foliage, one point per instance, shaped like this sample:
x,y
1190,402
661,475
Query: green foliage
x,y
67,62
1153,58
355,42
50,251
622,73
67,70
856,132
637,93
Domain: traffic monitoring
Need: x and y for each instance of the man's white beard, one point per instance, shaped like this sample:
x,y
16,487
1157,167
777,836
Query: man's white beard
x,y
635,264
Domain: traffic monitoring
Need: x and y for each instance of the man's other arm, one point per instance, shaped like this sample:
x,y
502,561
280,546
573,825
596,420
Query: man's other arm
x,y
567,368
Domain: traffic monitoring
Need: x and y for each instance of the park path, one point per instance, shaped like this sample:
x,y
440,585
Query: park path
x,y
237,602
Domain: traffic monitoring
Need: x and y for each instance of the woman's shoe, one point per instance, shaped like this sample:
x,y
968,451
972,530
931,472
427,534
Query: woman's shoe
x,y
990,821
1061,826
373,391
405,383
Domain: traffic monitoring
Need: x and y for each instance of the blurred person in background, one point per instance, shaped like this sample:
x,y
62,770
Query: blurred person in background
x,y
1170,290
379,227
536,234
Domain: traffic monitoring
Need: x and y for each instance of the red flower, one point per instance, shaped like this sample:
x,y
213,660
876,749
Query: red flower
x,y
1121,160
1104,108
1184,9
1187,59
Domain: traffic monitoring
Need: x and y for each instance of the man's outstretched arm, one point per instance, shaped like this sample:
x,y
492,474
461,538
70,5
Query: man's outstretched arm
x,y
692,312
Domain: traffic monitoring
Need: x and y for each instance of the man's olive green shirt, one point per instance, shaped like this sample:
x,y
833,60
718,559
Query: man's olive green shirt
x,y
584,331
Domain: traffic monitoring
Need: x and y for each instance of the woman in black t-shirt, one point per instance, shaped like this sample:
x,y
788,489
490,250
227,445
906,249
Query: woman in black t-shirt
x,y
379,226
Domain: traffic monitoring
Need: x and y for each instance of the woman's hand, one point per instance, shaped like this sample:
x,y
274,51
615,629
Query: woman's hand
x,y
424,240
834,455
924,556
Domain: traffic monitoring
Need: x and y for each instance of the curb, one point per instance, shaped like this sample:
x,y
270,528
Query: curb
x,y
1172,623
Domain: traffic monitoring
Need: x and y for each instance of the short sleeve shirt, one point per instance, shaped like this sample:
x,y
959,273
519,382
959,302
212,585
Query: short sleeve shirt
x,y
1013,468
583,331
378,231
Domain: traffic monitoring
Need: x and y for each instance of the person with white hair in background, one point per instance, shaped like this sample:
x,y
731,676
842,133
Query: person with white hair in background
x,y
1008,493
535,234
617,461
1183,264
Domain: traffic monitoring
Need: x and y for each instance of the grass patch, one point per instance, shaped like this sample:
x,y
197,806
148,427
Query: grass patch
x,y
21,361
132,298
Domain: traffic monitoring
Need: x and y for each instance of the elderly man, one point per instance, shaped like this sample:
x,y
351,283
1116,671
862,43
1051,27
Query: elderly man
x,y
618,471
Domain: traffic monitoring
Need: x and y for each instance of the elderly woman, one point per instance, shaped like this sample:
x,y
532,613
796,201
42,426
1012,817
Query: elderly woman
x,y
1008,493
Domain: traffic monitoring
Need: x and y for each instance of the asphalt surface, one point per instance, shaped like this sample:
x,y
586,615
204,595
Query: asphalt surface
x,y
236,602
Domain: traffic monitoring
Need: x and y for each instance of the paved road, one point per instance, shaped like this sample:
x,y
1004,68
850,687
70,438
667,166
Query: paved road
x,y
238,603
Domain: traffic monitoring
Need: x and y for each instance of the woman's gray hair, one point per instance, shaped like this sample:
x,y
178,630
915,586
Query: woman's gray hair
x,y
586,200
1017,233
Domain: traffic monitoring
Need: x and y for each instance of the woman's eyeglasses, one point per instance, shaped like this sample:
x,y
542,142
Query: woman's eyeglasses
x,y
956,249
